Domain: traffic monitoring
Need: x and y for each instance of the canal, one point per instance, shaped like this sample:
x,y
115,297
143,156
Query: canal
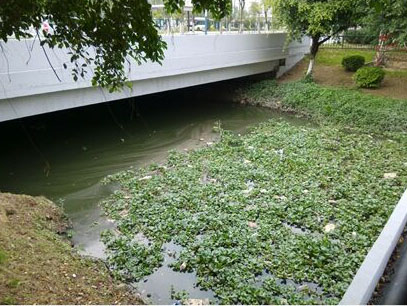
x,y
65,155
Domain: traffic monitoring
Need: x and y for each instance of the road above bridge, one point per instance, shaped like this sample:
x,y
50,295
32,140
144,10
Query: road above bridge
x,y
29,86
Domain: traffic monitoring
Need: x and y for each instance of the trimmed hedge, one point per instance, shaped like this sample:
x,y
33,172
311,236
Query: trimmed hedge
x,y
369,77
353,62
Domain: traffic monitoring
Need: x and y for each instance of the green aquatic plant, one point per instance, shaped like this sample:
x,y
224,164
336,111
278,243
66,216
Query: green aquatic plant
x,y
130,259
182,295
284,214
326,105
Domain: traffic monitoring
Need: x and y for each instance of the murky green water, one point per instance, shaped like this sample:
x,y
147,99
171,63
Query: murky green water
x,y
64,155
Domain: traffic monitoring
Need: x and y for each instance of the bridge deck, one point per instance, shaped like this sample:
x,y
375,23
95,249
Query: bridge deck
x,y
30,87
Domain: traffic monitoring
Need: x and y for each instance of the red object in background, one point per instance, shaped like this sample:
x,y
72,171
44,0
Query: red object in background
x,y
383,37
45,27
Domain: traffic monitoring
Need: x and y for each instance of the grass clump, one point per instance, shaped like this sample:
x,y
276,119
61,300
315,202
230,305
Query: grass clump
x,y
3,257
332,57
284,214
353,62
401,74
8,300
13,283
369,77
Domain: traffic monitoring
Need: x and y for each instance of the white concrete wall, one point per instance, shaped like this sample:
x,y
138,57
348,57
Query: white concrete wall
x,y
296,51
28,85
368,276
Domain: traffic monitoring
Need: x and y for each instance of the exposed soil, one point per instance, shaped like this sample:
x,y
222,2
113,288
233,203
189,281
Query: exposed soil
x,y
392,86
39,266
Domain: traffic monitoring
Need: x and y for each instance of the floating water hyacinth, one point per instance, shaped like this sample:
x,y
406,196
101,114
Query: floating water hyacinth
x,y
301,214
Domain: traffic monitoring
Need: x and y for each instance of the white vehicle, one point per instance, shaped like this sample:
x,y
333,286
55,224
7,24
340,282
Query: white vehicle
x,y
200,24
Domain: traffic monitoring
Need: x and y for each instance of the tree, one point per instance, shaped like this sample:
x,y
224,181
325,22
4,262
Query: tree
x,y
103,33
318,19
385,22
266,8
391,20
242,4
255,11
388,17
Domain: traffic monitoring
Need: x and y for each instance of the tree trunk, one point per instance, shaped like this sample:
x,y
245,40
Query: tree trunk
x,y
380,57
313,53
241,21
169,25
258,24
266,21
311,65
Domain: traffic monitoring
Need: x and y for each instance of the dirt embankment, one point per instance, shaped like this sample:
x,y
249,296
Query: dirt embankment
x,y
39,266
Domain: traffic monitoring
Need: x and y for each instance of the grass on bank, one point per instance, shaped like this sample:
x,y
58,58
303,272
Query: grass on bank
x,y
333,57
284,214
345,107
329,72
397,73
37,266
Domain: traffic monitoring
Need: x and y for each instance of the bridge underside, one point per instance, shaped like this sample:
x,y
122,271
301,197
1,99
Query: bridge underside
x,y
54,101
32,89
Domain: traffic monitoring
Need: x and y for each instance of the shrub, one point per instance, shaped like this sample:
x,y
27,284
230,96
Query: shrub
x,y
369,77
353,62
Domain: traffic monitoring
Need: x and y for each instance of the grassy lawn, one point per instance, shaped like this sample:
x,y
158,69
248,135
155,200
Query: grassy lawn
x,y
329,72
397,73
333,57
283,214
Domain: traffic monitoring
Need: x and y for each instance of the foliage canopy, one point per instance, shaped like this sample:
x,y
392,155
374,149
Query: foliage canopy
x,y
315,18
387,16
103,33
319,20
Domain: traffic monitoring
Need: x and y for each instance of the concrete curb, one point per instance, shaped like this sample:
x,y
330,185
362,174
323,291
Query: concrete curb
x,y
364,283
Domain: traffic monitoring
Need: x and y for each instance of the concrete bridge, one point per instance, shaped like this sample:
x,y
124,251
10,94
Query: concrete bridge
x,y
28,85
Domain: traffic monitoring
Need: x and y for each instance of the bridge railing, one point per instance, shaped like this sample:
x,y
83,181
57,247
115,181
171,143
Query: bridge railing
x,y
176,26
186,21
